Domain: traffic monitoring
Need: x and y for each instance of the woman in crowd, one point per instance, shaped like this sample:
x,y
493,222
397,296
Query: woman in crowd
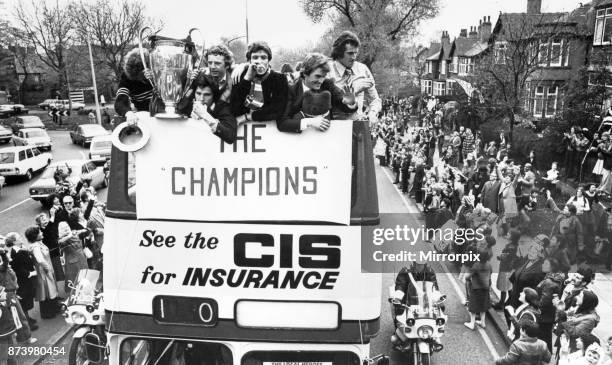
x,y
72,249
479,284
46,289
554,249
508,259
527,275
24,265
527,309
580,319
551,286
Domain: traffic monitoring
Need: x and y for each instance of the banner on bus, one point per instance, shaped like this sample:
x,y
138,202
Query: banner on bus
x,y
186,172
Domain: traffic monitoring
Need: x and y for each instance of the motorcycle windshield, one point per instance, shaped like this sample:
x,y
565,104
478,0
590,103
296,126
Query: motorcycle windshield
x,y
425,294
85,287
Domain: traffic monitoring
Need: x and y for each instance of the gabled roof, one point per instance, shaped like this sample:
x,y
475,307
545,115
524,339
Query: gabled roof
x,y
477,49
576,23
463,45
434,50
520,26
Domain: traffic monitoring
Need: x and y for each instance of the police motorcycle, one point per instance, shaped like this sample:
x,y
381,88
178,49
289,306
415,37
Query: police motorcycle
x,y
419,329
84,308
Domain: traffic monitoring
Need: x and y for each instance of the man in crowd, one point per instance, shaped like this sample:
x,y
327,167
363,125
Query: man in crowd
x,y
346,70
261,94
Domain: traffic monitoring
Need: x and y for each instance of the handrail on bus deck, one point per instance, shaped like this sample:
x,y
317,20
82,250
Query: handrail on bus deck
x,y
364,196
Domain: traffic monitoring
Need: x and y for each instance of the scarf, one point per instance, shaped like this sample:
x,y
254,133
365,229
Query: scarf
x,y
255,99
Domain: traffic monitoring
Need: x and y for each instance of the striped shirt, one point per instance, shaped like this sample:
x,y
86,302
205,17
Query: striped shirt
x,y
134,92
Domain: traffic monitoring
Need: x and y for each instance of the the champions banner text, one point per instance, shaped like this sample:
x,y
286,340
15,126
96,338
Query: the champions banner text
x,y
266,175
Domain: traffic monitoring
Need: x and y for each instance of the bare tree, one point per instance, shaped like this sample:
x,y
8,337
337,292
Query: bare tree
x,y
380,24
513,58
51,31
112,26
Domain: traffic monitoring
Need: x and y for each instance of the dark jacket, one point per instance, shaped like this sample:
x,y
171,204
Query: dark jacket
x,y
220,110
525,277
526,351
508,258
292,117
403,283
480,275
23,263
50,238
275,93
552,284
129,91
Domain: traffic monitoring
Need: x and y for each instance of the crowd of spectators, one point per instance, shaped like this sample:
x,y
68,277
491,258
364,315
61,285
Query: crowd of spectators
x,y
544,277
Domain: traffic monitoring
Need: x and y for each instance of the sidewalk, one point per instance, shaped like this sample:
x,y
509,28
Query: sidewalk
x,y
50,332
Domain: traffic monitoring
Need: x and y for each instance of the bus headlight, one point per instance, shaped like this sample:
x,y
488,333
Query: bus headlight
x,y
78,318
425,332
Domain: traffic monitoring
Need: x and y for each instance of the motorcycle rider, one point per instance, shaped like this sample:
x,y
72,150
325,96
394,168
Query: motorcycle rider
x,y
406,289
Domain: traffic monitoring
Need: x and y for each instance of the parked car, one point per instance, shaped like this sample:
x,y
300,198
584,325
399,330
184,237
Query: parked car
x,y
5,134
84,133
75,170
8,110
29,121
100,149
76,105
23,161
46,104
33,137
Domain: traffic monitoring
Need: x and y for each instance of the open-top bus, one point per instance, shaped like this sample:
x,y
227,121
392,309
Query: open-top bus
x,y
241,254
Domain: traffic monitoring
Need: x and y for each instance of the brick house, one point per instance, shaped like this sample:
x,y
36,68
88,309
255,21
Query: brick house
x,y
437,60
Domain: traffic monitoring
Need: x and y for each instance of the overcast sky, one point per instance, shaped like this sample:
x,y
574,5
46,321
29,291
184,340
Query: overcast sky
x,y
282,22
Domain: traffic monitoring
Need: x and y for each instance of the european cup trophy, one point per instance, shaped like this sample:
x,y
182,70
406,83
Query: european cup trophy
x,y
170,60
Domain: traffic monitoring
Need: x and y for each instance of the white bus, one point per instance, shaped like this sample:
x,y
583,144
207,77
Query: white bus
x,y
241,254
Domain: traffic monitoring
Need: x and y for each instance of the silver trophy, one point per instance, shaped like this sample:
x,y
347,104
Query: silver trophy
x,y
170,60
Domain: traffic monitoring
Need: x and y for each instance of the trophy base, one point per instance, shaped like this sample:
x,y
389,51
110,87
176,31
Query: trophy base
x,y
169,116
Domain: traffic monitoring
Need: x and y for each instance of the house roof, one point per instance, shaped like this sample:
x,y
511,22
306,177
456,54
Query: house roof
x,y
463,45
446,49
434,50
477,49
576,22
520,26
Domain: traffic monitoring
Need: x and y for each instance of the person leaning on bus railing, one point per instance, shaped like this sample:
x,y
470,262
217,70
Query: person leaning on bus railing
x,y
312,98
261,93
346,70
219,64
203,102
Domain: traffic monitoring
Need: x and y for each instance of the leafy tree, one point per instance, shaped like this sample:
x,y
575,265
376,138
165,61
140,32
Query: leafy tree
x,y
380,24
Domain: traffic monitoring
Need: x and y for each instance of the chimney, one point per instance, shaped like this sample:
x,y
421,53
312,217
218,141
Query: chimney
x,y
473,33
485,30
445,36
463,33
534,6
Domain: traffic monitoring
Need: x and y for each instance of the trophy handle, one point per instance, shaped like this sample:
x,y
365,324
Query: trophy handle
x,y
142,56
190,81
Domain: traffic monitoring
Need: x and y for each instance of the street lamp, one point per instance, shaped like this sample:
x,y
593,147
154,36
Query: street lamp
x,y
233,39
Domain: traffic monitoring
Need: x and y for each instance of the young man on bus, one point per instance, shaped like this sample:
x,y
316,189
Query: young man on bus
x,y
261,93
346,70
219,62
312,96
204,103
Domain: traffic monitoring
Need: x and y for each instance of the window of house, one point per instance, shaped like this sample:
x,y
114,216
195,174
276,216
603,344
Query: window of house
x,y
500,53
439,88
543,53
429,67
453,67
603,27
443,68
465,66
427,86
566,52
450,87
551,101
538,101
556,52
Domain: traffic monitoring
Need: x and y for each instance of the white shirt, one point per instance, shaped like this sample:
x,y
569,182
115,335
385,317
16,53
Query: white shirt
x,y
359,69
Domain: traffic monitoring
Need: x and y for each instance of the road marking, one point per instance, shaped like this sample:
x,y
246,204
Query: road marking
x,y
412,209
15,205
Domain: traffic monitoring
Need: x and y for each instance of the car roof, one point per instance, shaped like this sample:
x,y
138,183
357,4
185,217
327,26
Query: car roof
x,y
29,118
87,125
32,130
14,148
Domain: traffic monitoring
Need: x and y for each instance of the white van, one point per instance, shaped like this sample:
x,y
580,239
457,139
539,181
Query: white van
x,y
23,161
